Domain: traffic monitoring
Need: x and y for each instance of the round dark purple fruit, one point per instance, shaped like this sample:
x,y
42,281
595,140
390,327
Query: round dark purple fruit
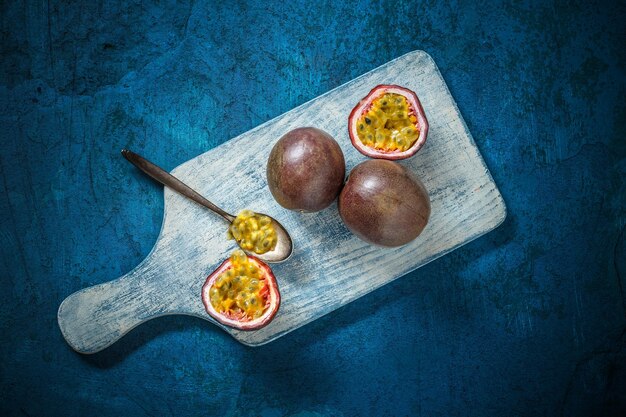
x,y
384,203
305,170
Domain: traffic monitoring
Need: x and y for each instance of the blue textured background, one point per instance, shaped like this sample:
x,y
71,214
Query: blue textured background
x,y
528,320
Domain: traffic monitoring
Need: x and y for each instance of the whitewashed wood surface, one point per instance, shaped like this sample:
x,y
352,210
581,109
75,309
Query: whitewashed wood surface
x,y
329,267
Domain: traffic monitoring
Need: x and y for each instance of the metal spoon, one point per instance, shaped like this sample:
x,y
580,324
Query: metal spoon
x,y
284,246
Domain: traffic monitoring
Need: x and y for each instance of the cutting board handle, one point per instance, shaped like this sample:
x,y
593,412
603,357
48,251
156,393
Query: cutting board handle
x,y
94,318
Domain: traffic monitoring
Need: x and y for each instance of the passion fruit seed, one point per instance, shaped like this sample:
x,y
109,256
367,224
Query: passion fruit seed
x,y
242,295
253,232
389,124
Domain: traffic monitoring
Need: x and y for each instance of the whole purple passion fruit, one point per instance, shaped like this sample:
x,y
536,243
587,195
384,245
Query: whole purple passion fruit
x,y
305,170
384,203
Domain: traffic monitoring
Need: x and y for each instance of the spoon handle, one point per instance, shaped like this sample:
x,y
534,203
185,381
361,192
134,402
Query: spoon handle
x,y
172,182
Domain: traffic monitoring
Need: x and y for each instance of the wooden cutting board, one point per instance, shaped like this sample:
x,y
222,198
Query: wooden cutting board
x,y
329,267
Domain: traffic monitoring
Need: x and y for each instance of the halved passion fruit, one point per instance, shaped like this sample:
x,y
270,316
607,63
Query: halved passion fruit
x,y
242,293
389,123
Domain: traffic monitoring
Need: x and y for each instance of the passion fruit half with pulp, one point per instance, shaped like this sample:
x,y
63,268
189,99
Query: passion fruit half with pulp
x,y
389,123
305,170
242,293
384,203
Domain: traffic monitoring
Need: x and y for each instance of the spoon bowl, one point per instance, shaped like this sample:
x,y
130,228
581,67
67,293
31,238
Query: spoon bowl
x,y
284,244
283,248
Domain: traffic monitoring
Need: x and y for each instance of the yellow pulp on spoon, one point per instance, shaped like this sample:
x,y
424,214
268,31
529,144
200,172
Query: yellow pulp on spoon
x,y
253,232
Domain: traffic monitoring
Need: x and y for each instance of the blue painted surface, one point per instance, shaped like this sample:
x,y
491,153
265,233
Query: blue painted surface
x,y
528,320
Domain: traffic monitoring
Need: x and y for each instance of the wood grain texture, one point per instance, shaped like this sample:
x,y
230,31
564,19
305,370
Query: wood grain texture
x,y
329,267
